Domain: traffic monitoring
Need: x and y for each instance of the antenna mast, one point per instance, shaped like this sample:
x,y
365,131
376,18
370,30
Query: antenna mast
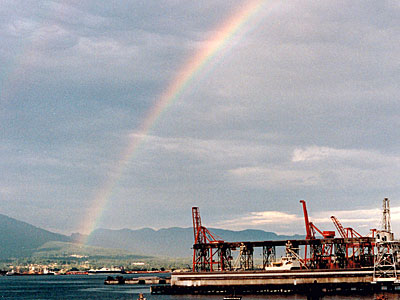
x,y
386,216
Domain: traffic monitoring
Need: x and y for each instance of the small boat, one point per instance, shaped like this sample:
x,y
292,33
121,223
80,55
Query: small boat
x,y
284,264
12,273
141,297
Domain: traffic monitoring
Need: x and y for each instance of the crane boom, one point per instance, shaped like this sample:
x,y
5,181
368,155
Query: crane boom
x,y
339,227
309,231
196,223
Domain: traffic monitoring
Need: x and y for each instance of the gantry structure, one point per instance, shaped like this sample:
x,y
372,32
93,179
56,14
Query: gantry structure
x,y
318,250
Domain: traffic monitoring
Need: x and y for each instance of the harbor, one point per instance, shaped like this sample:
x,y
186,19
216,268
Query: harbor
x,y
92,287
321,261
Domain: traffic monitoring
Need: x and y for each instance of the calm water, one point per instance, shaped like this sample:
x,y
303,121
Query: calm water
x,y
92,287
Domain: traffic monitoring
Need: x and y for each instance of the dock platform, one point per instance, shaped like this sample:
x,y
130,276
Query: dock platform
x,y
261,282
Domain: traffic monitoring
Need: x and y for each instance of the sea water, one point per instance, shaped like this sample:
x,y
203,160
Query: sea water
x,y
91,287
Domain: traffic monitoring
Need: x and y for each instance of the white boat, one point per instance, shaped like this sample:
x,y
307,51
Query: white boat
x,y
105,270
284,263
141,297
11,273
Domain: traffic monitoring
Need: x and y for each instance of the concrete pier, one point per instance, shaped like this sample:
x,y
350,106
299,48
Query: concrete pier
x,y
299,281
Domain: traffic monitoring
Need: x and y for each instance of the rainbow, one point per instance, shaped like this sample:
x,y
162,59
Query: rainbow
x,y
184,77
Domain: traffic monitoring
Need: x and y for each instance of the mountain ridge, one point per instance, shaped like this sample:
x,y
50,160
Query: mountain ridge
x,y
21,239
172,242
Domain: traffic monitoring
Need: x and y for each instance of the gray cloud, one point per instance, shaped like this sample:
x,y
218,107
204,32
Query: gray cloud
x,y
302,102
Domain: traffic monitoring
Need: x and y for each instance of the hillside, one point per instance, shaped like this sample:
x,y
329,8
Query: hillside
x,y
20,239
54,250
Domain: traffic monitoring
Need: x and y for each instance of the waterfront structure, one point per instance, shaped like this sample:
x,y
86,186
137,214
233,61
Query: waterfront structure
x,y
329,263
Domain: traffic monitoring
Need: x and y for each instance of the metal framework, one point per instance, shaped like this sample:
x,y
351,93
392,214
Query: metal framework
x,y
385,268
268,254
385,263
246,256
208,259
355,254
320,256
351,250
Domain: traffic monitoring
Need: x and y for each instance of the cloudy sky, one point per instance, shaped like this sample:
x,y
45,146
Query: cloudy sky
x,y
300,101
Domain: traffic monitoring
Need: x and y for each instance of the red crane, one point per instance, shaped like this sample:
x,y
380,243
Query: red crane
x,y
311,228
201,234
347,232
319,258
203,259
353,250
197,226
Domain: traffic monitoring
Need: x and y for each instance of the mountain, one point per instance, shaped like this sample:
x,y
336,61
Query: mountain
x,y
172,242
20,239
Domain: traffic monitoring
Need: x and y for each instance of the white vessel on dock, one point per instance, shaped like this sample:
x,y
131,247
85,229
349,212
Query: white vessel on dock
x,y
105,270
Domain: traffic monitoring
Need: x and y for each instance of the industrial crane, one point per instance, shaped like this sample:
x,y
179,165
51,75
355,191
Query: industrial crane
x,y
203,258
319,256
311,229
355,251
201,234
